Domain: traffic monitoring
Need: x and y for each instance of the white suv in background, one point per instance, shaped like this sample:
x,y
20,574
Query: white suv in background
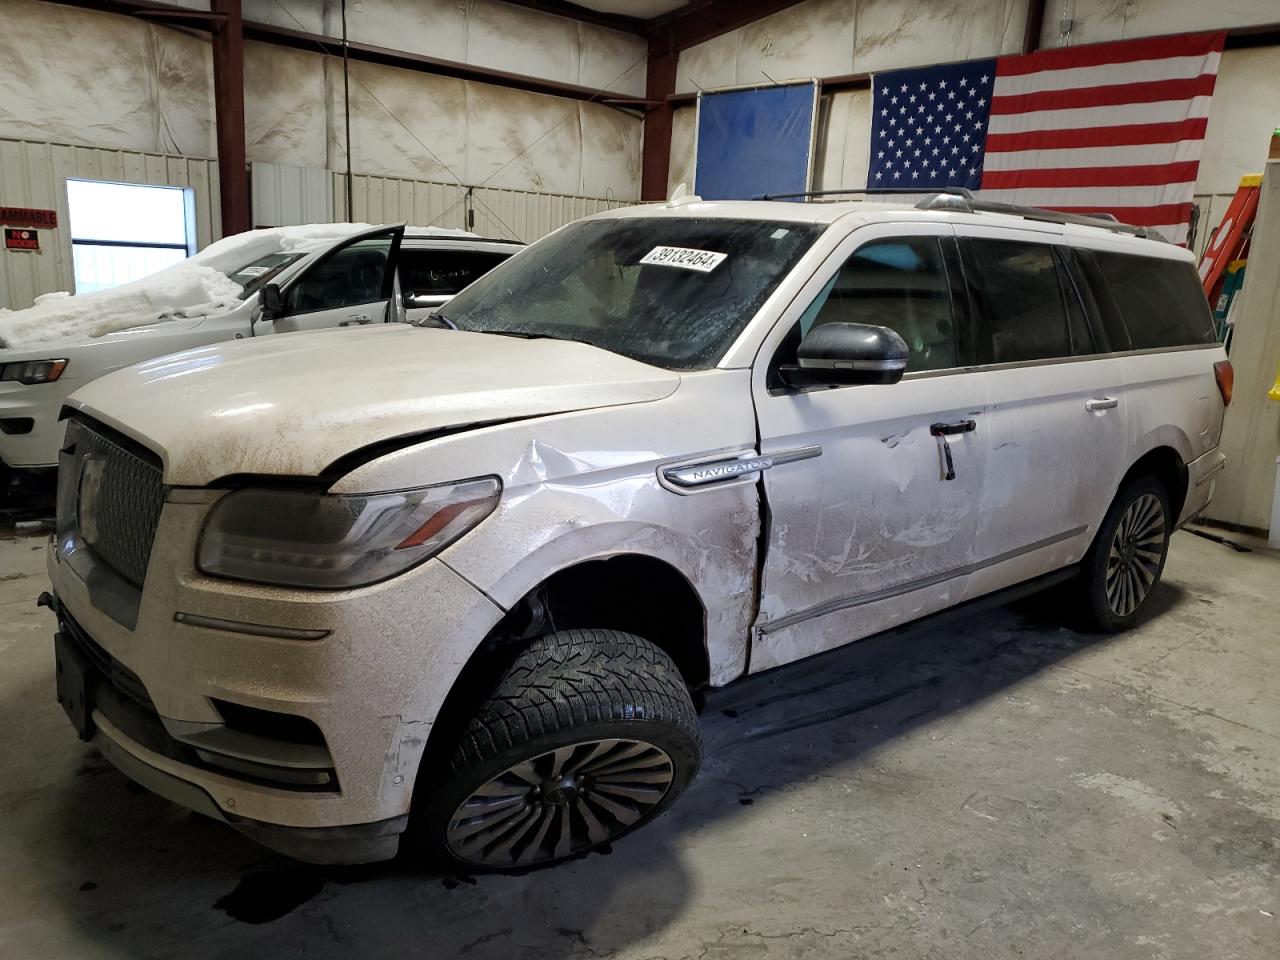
x,y
319,281
453,588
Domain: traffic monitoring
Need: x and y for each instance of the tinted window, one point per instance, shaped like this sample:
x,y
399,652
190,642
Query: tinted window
x,y
674,291
1021,314
443,272
900,284
354,275
1160,302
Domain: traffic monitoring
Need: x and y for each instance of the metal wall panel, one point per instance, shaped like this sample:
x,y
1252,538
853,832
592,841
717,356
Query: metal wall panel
x,y
35,174
509,214
285,196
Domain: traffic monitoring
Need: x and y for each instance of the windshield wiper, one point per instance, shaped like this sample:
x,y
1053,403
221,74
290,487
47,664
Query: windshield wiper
x,y
436,318
524,335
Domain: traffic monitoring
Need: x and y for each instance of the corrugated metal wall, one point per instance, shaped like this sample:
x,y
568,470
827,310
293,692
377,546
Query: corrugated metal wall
x,y
35,175
509,214
285,195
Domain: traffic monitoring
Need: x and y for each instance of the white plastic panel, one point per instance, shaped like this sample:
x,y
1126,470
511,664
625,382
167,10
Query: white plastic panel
x,y
35,175
1094,21
79,76
487,33
823,38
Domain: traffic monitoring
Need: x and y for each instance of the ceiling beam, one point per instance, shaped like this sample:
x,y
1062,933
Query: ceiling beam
x,y
574,11
704,20
171,15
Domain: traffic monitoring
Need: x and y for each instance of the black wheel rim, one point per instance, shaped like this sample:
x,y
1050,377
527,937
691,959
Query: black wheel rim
x,y
559,803
1137,549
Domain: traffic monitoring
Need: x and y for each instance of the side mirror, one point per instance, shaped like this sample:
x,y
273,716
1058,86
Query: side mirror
x,y
272,301
844,354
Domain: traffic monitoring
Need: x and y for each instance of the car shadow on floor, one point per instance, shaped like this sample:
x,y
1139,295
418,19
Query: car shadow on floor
x,y
171,883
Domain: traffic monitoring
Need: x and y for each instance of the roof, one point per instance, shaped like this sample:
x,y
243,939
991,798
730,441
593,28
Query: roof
x,y
934,208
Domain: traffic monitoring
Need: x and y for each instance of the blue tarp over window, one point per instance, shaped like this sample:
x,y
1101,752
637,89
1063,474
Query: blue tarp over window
x,y
754,141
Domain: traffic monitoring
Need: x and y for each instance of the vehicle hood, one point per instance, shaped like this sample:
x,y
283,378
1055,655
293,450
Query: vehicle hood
x,y
291,405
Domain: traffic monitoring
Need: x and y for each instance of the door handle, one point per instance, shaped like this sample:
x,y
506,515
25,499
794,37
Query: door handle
x,y
1101,403
356,321
951,429
944,430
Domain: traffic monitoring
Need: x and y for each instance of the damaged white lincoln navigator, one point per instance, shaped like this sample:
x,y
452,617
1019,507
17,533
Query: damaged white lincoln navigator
x,y
453,588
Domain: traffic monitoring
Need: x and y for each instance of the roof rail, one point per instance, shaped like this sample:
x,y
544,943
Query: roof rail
x,y
951,200
862,191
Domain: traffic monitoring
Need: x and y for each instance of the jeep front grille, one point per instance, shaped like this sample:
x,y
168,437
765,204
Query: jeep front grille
x,y
113,494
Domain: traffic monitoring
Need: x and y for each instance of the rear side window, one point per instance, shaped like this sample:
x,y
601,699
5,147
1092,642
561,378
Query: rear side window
x,y
1159,302
1021,311
900,284
443,272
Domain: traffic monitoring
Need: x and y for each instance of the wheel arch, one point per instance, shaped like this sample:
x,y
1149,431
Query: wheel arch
x,y
597,592
1167,465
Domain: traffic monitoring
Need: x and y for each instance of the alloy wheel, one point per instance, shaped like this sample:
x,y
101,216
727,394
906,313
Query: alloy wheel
x,y
1135,555
559,803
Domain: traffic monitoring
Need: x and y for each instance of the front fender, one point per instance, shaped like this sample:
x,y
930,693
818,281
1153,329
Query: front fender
x,y
711,539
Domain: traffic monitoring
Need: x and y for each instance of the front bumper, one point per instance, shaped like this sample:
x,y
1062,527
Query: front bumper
x,y
370,686
30,431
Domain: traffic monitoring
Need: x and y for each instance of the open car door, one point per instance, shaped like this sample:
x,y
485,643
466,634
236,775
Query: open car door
x,y
351,284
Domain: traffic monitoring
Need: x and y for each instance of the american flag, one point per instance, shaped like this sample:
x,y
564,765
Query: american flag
x,y
1106,128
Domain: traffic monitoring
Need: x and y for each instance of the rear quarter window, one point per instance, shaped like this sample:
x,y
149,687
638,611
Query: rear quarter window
x,y
1159,302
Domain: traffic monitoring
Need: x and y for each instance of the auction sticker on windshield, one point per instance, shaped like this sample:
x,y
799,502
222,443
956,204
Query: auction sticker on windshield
x,y
704,261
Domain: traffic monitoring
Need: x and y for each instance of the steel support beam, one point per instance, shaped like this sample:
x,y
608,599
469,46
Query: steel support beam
x,y
573,11
228,105
705,20
158,12
659,85
1034,24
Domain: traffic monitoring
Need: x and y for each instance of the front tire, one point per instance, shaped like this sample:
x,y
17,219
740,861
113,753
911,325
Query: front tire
x,y
588,735
1127,558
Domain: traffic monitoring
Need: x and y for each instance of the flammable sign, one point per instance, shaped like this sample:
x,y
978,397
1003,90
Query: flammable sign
x,y
21,238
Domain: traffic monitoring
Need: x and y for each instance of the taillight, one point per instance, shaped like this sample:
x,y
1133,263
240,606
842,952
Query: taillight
x,y
1226,377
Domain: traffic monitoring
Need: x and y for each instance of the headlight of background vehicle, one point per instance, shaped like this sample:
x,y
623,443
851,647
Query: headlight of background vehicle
x,y
33,371
297,538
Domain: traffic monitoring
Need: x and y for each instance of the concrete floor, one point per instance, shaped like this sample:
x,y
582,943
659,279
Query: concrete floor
x,y
996,786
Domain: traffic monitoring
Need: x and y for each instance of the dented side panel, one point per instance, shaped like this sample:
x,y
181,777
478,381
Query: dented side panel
x,y
872,515
586,486
865,535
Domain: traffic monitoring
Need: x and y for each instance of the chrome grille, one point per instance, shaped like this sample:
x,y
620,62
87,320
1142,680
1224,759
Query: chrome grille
x,y
112,497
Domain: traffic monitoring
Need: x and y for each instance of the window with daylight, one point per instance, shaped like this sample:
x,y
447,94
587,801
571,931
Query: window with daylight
x,y
125,231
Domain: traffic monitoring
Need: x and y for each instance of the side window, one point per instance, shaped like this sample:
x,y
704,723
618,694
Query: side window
x,y
900,284
1160,302
354,275
1016,288
433,273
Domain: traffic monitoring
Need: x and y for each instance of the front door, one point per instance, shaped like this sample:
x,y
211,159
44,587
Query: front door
x,y
877,524
350,285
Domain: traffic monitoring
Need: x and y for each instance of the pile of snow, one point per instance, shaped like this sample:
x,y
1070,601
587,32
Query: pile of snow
x,y
198,286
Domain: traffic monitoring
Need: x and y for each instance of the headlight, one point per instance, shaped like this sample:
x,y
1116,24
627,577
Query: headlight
x,y
303,539
33,371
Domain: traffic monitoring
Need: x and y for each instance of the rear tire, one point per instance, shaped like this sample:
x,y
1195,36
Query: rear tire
x,y
588,735
1127,558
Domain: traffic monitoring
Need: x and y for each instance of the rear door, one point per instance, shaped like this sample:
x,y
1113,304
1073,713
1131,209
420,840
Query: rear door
x,y
351,284
1058,410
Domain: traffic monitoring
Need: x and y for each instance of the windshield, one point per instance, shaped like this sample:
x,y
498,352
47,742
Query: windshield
x,y
673,292
253,275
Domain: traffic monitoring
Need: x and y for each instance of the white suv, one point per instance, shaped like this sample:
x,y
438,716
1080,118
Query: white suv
x,y
454,588
324,275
